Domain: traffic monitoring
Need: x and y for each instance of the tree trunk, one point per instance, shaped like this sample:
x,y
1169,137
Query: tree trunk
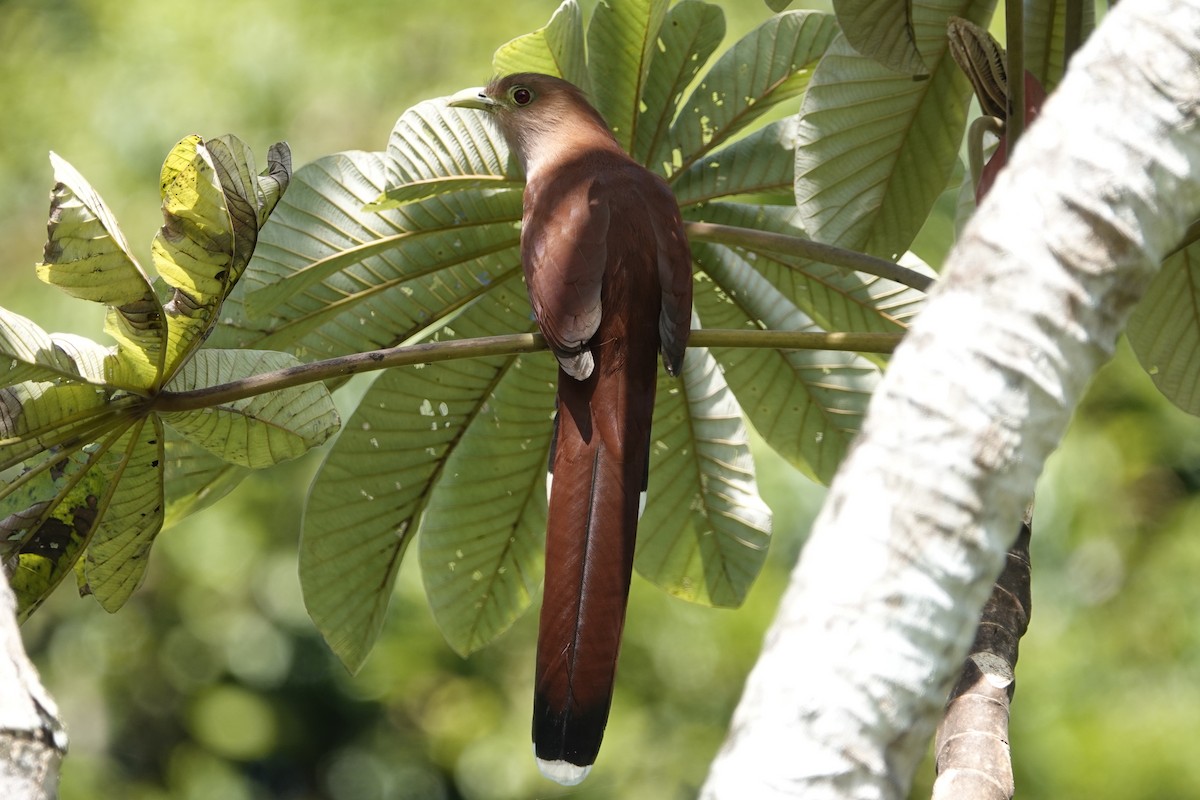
x,y
884,601
32,740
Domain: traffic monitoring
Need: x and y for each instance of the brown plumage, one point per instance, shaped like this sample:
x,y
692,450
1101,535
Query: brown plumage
x,y
608,271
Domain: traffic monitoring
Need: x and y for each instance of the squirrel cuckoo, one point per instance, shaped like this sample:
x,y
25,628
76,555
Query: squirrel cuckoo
x,y
608,271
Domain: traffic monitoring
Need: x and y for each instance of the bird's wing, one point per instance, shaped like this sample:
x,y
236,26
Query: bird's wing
x,y
564,250
674,259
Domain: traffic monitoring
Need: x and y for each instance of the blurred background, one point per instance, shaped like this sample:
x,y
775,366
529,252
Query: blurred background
x,y
212,683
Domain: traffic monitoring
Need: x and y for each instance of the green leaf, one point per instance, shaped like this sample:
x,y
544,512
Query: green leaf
x,y
882,30
708,551
1045,30
50,510
29,353
1164,330
87,256
807,404
621,39
877,148
213,205
835,298
42,416
330,278
412,431
120,547
768,66
689,35
761,163
555,49
195,478
256,431
484,523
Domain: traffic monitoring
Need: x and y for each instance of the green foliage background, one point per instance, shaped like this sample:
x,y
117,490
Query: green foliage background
x,y
213,683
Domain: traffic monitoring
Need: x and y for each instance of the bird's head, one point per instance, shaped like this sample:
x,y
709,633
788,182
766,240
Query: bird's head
x,y
538,115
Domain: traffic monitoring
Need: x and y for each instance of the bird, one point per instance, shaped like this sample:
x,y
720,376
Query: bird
x,y
608,270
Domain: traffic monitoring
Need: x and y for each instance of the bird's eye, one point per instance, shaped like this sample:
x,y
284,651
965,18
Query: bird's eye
x,y
521,96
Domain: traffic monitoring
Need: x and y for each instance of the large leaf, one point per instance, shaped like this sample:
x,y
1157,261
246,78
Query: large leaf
x,y
712,550
882,30
556,49
195,478
120,547
51,509
29,353
690,34
1165,329
484,520
86,255
767,66
1045,29
213,206
877,148
367,500
808,404
256,431
622,38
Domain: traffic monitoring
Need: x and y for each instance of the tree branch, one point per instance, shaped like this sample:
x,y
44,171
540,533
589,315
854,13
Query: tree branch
x,y
509,344
885,599
806,248
32,740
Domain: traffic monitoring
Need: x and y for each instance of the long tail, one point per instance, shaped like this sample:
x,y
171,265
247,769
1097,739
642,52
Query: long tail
x,y
599,475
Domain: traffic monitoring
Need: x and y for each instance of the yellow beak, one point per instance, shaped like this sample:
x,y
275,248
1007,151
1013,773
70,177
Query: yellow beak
x,y
472,98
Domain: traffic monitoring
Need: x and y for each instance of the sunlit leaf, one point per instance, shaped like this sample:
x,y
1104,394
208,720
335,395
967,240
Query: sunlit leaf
x,y
690,34
213,204
877,148
49,512
555,49
622,38
767,66
712,550
882,30
256,431
1164,330
29,353
120,547
87,256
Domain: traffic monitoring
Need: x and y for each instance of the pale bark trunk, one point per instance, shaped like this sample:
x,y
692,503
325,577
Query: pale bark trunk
x,y
32,741
884,601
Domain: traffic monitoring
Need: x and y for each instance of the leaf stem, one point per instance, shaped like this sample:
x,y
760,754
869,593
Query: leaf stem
x,y
806,248
1072,30
1014,24
508,344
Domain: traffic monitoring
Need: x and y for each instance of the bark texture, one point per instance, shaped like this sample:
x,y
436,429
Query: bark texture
x,y
884,601
32,740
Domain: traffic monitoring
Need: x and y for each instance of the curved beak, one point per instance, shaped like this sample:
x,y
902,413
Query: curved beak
x,y
472,98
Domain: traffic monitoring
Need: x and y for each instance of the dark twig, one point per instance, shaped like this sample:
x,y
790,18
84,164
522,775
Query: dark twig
x,y
973,759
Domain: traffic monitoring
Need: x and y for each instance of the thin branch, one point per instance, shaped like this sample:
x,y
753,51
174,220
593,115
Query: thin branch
x,y
1014,20
806,248
509,344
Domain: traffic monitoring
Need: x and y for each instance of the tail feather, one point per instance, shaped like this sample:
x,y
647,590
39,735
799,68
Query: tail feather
x,y
599,470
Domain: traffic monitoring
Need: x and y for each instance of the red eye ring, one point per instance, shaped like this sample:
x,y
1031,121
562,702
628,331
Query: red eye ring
x,y
522,96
